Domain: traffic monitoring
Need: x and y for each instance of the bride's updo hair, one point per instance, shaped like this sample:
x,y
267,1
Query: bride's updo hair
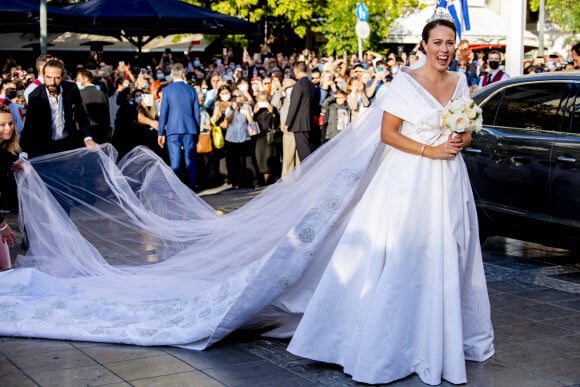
x,y
431,25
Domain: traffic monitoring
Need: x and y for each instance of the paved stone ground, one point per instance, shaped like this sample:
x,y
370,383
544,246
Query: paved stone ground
x,y
535,297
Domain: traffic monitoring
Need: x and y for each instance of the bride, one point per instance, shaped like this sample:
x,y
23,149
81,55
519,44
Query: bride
x,y
367,255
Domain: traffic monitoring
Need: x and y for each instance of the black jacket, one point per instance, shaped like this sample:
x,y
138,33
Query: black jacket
x,y
36,136
303,106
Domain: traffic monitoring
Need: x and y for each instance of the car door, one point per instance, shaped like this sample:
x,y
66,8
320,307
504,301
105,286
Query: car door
x,y
509,159
565,187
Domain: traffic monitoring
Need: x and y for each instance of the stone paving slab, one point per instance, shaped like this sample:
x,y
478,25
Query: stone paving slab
x,y
535,297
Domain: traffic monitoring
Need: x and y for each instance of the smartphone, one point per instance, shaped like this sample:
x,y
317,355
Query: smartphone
x,y
148,99
143,71
121,63
224,51
168,51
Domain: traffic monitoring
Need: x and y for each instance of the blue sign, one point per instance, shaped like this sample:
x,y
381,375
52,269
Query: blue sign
x,y
362,12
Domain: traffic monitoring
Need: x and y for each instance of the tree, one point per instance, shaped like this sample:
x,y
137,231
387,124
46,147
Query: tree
x,y
564,13
334,19
340,21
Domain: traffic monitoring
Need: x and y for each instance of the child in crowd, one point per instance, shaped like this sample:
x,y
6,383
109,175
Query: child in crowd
x,y
336,114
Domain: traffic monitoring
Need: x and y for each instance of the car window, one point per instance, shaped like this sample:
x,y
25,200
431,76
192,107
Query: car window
x,y
551,106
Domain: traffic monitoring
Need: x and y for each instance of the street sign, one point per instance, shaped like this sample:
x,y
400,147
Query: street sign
x,y
362,12
362,29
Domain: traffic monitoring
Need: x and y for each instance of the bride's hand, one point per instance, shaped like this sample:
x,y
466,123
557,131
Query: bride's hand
x,y
444,151
460,140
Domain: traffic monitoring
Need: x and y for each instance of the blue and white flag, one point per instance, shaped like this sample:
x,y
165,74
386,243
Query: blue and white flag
x,y
459,11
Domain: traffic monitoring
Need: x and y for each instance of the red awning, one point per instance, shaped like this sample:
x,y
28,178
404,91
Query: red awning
x,y
482,46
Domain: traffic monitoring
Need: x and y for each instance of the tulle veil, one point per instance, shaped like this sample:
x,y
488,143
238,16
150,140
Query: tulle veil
x,y
131,246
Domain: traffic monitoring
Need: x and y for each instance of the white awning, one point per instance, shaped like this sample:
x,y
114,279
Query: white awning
x,y
71,41
487,27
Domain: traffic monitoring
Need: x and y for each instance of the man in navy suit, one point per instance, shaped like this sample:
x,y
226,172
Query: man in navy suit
x,y
179,123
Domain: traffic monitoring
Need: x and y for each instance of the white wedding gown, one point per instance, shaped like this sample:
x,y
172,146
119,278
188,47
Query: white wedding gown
x,y
405,290
373,252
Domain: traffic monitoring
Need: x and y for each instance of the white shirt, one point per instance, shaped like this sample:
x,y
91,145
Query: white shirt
x,y
57,113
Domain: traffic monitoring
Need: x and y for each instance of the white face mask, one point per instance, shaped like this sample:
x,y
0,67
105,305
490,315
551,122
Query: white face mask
x,y
289,91
225,97
244,87
80,86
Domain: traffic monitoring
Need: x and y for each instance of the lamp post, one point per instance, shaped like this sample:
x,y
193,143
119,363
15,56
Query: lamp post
x,y
43,27
541,21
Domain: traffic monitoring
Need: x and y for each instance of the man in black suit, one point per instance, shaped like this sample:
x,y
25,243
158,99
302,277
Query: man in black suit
x,y
303,105
56,119
97,106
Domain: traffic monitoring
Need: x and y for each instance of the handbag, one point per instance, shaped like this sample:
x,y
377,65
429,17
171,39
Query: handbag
x,y
204,143
273,136
217,135
253,128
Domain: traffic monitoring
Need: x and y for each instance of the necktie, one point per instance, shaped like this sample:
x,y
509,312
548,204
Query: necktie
x,y
489,76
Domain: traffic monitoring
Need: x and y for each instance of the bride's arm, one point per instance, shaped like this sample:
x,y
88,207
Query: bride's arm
x,y
390,135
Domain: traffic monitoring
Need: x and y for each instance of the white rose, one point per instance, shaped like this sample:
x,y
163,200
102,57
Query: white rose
x,y
470,112
477,124
456,106
459,123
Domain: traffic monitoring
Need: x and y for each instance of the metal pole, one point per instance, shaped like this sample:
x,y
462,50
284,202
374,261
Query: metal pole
x,y
541,22
43,27
360,48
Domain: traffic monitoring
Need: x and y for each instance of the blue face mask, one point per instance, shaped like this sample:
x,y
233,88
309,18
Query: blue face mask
x,y
196,63
138,99
160,76
145,85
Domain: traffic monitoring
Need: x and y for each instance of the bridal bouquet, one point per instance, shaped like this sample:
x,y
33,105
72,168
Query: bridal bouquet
x,y
461,115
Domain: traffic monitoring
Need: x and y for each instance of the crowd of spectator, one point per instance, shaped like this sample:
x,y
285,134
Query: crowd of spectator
x,y
235,91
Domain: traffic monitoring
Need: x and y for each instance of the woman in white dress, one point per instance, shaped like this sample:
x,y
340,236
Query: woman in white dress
x,y
405,290
372,249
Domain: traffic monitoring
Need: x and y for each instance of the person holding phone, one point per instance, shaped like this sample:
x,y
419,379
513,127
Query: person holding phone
x,y
373,87
239,114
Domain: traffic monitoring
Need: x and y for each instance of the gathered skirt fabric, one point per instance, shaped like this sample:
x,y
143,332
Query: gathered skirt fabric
x,y
405,290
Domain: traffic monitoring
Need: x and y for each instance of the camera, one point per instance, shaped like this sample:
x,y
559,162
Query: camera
x,y
564,63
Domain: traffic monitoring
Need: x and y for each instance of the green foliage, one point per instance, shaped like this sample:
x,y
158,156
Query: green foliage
x,y
300,14
564,13
341,19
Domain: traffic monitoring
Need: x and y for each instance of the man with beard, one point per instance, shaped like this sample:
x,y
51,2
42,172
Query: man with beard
x,y
56,119
495,73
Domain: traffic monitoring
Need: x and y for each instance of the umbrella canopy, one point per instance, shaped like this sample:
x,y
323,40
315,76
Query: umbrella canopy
x,y
139,21
23,16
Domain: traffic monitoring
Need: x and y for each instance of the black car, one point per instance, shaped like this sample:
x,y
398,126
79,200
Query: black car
x,y
524,164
